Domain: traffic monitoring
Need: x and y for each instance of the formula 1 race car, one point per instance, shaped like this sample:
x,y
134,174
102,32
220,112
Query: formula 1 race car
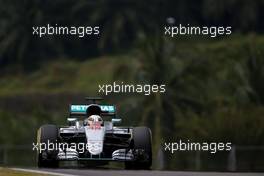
x,y
90,138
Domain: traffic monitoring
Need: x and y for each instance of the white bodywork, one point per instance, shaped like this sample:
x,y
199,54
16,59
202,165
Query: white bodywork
x,y
95,135
95,139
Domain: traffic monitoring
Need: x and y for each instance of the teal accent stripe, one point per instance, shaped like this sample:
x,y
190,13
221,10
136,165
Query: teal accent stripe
x,y
83,108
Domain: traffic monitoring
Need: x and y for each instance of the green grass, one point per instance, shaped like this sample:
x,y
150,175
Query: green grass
x,y
64,76
10,172
69,76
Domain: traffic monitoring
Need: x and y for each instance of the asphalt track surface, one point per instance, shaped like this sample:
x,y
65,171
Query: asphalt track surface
x,y
107,172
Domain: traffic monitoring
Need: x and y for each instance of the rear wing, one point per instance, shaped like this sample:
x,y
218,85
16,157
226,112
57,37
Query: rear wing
x,y
80,110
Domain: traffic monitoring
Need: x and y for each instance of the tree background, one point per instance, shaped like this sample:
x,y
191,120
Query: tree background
x,y
214,87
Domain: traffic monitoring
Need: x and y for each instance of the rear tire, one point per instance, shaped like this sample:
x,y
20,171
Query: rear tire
x,y
47,158
142,139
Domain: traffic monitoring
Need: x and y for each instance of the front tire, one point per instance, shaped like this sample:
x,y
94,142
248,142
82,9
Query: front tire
x,y
47,134
142,139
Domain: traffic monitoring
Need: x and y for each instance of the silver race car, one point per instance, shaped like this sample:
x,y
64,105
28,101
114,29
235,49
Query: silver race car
x,y
93,137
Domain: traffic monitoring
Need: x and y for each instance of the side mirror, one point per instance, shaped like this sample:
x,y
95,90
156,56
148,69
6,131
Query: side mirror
x,y
116,121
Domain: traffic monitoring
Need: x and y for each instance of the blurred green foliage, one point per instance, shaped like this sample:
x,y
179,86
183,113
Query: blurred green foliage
x,y
64,76
122,24
214,87
212,91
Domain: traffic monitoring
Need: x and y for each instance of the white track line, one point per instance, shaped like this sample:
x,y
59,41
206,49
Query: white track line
x,y
41,172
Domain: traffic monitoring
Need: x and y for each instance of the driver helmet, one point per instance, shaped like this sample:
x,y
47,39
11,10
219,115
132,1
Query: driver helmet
x,y
94,119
